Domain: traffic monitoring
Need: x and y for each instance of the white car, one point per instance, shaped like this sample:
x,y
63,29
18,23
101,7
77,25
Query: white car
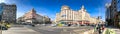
x,y
53,25
43,24
38,24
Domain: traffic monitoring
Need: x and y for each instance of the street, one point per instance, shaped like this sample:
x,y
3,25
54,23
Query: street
x,y
26,29
40,29
59,30
19,30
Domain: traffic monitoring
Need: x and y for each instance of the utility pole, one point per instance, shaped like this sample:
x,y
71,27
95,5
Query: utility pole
x,y
43,20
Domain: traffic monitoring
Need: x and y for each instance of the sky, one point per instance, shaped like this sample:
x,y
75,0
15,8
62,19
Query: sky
x,y
51,7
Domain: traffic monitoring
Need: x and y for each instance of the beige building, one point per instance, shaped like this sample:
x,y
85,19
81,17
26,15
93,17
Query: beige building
x,y
33,17
81,16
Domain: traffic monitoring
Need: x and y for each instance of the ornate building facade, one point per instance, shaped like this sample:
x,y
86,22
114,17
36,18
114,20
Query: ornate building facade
x,y
81,16
33,17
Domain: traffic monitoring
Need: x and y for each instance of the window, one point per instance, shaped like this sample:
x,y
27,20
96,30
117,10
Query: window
x,y
63,16
114,0
1,8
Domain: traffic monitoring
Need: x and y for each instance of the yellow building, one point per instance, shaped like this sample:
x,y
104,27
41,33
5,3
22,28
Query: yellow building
x,y
67,15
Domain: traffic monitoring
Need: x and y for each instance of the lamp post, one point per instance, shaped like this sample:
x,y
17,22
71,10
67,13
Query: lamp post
x,y
0,28
44,20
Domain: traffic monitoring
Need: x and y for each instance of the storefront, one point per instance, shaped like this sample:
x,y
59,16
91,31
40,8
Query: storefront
x,y
83,22
68,22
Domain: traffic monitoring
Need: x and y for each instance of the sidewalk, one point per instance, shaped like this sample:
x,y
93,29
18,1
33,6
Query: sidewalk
x,y
116,30
19,30
64,27
84,31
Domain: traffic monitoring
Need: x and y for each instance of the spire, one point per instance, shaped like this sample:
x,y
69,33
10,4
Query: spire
x,y
64,7
82,7
32,9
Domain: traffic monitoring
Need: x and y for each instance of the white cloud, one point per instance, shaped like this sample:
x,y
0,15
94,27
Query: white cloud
x,y
2,1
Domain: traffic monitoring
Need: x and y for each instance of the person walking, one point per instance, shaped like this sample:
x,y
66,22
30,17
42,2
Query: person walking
x,y
119,26
99,30
96,29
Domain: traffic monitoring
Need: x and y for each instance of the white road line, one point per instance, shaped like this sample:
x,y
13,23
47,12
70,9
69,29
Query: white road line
x,y
18,30
46,29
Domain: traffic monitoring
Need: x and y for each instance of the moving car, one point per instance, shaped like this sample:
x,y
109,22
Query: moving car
x,y
54,25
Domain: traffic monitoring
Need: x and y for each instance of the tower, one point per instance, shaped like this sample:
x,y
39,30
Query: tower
x,y
8,12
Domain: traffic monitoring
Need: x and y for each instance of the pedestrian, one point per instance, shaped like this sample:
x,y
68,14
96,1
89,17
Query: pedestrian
x,y
119,26
96,28
99,29
69,24
102,28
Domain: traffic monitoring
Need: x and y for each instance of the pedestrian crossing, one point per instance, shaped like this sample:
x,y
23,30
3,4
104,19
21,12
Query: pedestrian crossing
x,y
47,29
19,30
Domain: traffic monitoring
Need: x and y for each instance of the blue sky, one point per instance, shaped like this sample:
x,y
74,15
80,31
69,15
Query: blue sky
x,y
51,7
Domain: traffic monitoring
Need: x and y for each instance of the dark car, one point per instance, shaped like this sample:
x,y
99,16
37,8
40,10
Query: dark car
x,y
3,27
32,25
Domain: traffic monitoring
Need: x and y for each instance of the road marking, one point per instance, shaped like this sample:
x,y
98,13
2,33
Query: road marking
x,y
46,29
18,30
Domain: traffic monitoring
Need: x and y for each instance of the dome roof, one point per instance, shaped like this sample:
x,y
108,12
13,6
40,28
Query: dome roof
x,y
64,7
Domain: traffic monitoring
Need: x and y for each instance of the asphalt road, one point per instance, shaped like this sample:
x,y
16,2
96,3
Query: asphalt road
x,y
58,30
44,30
19,29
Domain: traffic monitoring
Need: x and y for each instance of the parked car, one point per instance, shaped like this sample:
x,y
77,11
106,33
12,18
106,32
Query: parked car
x,y
53,25
8,25
3,27
43,24
32,25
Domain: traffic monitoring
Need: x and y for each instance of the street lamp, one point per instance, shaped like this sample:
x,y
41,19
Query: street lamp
x,y
44,20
